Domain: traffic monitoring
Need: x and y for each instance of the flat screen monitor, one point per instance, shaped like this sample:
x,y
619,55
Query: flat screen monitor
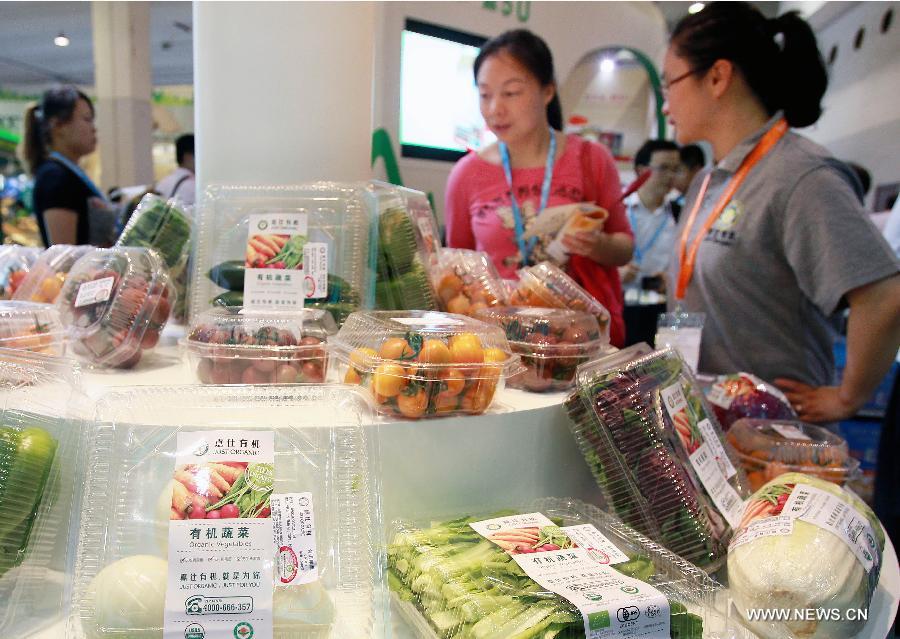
x,y
439,114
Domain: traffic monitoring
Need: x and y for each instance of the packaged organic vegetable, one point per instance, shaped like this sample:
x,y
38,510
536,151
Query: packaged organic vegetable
x,y
419,364
657,452
467,281
553,569
39,471
32,327
15,262
405,249
741,395
283,247
805,544
45,280
232,511
160,225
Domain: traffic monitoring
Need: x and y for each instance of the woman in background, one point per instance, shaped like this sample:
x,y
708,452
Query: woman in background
x,y
773,239
495,195
59,131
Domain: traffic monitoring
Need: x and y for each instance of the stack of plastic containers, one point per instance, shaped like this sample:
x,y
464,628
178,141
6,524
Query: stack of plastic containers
x,y
479,576
244,510
15,262
548,286
552,343
45,280
467,281
39,475
419,364
237,346
32,327
657,452
115,303
405,249
767,448
338,255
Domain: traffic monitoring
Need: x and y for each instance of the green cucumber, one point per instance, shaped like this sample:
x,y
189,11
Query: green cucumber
x,y
228,275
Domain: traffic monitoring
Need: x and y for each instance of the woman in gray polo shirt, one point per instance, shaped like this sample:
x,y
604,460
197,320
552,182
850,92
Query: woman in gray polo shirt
x,y
772,238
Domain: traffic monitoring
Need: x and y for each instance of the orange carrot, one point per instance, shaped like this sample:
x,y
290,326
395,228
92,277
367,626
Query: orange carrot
x,y
268,241
261,248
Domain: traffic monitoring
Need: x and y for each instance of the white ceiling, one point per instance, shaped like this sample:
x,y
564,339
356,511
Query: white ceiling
x,y
28,57
30,61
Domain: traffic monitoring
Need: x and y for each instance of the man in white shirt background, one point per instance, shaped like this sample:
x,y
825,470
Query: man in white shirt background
x,y
650,216
181,183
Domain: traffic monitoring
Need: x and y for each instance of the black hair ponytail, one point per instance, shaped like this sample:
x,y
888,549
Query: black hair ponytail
x,y
779,58
56,103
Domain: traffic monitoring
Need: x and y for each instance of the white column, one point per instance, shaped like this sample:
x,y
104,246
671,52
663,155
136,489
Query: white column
x,y
283,91
123,83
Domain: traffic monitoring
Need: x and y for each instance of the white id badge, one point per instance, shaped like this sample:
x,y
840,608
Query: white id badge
x,y
683,332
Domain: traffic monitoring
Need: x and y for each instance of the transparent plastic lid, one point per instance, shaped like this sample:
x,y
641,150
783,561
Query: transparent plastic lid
x,y
767,448
15,262
39,471
139,497
32,327
45,280
657,452
405,250
423,340
237,345
115,302
550,332
447,580
467,281
547,285
161,225
337,218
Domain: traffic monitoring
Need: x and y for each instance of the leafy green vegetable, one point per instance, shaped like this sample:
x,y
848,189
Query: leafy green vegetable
x,y
159,226
469,588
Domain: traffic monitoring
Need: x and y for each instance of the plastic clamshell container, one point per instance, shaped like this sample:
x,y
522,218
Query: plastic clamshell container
x,y
766,448
439,600
32,327
45,280
161,225
15,262
115,303
403,268
40,469
419,364
239,346
545,284
552,343
467,281
643,459
338,215
320,447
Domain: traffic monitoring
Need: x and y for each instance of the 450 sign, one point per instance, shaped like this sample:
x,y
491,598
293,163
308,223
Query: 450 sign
x,y
522,9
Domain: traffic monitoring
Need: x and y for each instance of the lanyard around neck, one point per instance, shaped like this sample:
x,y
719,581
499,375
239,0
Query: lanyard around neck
x,y
641,251
74,168
526,248
687,260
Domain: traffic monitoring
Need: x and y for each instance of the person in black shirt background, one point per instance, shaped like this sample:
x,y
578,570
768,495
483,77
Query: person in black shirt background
x,y
59,131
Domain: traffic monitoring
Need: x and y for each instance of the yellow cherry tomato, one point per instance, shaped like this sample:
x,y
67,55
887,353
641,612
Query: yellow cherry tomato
x,y
478,398
434,351
352,377
449,287
459,305
446,403
454,381
495,355
362,358
412,406
466,349
388,380
395,348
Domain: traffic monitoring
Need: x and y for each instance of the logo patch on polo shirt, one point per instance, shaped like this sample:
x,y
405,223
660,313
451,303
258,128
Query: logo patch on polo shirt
x,y
722,232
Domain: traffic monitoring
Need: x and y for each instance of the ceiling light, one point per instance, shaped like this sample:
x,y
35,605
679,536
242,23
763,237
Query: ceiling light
x,y
61,40
607,65
696,7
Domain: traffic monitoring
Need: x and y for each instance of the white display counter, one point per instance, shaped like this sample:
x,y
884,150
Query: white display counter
x,y
519,451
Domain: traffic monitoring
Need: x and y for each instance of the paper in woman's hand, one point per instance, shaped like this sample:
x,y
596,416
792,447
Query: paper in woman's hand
x,y
553,218
585,217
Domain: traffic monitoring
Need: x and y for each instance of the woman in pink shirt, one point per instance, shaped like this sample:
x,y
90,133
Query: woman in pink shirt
x,y
494,196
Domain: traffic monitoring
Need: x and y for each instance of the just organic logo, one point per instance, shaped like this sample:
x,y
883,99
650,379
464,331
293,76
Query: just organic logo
x,y
263,225
201,448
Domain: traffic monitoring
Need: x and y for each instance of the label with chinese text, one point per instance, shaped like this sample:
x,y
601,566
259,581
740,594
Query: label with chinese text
x,y
221,559
295,538
274,275
779,525
705,452
612,604
790,431
94,292
315,267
